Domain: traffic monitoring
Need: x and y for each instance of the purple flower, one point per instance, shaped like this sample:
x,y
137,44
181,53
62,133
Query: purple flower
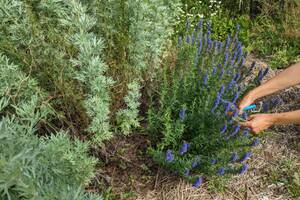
x,y
222,72
231,84
169,156
236,96
216,103
223,129
182,113
227,42
236,130
188,39
234,157
214,71
213,161
205,79
260,75
244,169
255,142
266,71
246,132
238,27
186,172
228,107
237,77
200,23
200,47
222,90
245,116
246,156
195,162
198,182
184,148
221,171
226,58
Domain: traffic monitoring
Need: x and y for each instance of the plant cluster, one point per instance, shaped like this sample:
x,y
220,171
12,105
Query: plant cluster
x,y
196,112
52,167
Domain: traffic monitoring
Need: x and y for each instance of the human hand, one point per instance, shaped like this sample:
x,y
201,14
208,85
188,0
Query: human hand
x,y
259,122
247,100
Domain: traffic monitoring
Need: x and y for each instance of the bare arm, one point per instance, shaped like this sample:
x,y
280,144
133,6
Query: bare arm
x,y
285,79
260,122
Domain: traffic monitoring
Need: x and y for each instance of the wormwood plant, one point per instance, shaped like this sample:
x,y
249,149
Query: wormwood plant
x,y
52,167
195,121
136,34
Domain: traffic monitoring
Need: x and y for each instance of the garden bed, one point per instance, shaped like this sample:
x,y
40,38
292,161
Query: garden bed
x,y
127,172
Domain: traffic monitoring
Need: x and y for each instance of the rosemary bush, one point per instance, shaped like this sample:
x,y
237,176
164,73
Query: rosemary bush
x,y
196,114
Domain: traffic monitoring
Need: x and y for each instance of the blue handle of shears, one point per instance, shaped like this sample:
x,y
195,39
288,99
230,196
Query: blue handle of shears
x,y
249,107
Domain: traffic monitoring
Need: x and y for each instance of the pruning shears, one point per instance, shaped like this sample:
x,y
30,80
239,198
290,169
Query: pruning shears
x,y
253,108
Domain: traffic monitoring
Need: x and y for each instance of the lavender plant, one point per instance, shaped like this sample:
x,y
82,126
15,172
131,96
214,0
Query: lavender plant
x,y
196,120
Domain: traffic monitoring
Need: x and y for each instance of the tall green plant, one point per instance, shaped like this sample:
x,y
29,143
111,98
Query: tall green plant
x,y
195,121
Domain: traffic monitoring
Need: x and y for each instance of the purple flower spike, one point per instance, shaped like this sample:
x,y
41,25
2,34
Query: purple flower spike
x,y
188,39
266,71
213,161
198,182
222,72
255,142
244,116
237,76
169,156
184,148
236,130
214,71
182,113
236,96
200,47
205,79
200,24
260,75
186,172
227,42
234,157
195,162
226,58
216,103
244,169
246,156
221,171
231,84
222,90
246,132
223,129
238,27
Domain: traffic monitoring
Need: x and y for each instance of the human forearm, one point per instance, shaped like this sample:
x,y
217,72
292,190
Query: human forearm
x,y
287,118
285,79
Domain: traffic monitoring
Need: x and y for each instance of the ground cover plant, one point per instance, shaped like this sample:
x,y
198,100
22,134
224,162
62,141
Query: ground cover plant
x,y
196,113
